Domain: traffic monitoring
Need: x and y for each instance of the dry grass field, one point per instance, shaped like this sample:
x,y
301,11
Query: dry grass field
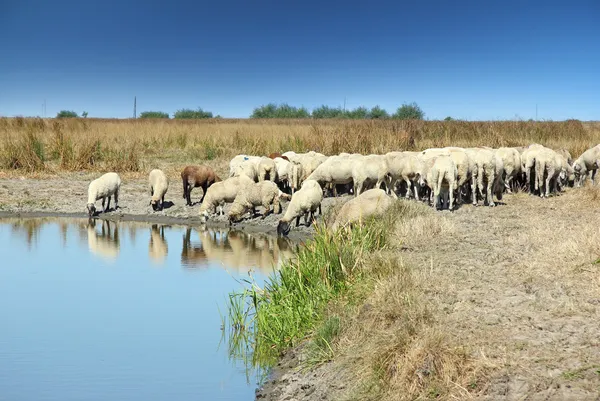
x,y
487,303
34,145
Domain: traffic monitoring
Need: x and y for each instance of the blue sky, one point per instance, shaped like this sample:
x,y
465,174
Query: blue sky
x,y
476,60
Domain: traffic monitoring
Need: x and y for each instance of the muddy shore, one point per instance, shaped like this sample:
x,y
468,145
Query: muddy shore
x,y
67,197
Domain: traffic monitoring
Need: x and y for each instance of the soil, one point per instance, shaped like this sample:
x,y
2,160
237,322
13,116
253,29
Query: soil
x,y
66,196
516,283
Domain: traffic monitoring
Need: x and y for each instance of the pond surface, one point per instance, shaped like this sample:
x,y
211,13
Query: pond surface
x,y
122,311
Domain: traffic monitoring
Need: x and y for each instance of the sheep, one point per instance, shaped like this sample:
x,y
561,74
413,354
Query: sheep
x,y
283,167
336,170
220,193
103,188
403,166
488,172
159,184
295,174
371,203
197,176
248,168
264,193
367,170
566,154
465,166
307,200
512,165
275,155
443,180
587,165
266,167
238,160
546,166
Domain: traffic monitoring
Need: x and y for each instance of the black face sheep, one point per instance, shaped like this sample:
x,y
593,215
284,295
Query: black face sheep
x,y
197,176
159,184
104,188
307,200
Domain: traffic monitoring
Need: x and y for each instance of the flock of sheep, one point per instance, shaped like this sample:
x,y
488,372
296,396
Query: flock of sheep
x,y
440,176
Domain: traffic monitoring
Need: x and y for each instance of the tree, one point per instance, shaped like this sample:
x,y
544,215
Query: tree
x,y
154,114
359,113
189,113
66,114
410,111
284,110
327,112
377,113
448,119
84,114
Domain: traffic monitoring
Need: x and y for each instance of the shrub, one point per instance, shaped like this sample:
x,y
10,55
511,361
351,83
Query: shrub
x,y
154,114
378,113
327,112
191,114
283,110
409,112
66,114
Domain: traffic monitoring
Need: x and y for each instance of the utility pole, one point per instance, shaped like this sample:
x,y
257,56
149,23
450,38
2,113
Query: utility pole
x,y
536,112
134,104
344,104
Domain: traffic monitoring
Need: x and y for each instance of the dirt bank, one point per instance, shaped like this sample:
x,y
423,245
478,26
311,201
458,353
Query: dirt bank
x,y
517,286
66,196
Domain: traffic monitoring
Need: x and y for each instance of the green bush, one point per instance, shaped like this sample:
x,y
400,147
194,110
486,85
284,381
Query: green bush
x,y
192,114
284,110
154,114
409,111
66,114
328,112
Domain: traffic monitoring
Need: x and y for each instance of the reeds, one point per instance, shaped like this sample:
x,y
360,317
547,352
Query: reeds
x,y
90,144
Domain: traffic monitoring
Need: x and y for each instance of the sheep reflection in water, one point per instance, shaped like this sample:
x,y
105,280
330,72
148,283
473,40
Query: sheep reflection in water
x,y
105,243
235,249
157,248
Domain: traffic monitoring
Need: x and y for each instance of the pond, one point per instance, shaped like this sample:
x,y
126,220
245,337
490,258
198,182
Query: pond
x,y
123,310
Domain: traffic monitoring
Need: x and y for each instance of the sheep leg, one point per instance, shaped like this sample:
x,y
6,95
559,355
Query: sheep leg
x,y
162,203
204,189
107,205
298,220
320,212
548,178
151,190
116,200
103,203
474,189
490,184
451,195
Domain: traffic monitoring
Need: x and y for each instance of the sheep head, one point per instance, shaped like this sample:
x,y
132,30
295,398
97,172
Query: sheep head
x,y
283,228
91,208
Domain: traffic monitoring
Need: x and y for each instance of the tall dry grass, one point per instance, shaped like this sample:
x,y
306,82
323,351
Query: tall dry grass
x,y
95,144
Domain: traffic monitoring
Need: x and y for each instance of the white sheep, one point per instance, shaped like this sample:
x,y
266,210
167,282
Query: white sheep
x,y
103,188
465,166
371,203
546,171
295,174
405,166
304,202
587,165
443,180
266,167
238,160
368,170
512,165
487,174
220,193
247,168
265,193
159,184
336,170
283,168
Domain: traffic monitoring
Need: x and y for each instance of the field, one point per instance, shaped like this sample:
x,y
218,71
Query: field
x,y
482,303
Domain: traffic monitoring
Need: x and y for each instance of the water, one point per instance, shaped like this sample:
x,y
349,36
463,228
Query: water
x,y
122,311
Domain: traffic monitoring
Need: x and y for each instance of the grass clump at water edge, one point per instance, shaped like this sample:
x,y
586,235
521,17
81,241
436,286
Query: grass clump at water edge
x,y
292,302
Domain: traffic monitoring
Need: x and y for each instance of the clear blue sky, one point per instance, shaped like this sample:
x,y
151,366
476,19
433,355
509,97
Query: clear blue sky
x,y
477,60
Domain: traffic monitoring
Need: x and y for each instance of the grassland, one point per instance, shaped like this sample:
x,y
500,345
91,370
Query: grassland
x,y
34,145
482,303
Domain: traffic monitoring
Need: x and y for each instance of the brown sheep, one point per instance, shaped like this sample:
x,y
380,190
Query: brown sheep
x,y
197,176
277,154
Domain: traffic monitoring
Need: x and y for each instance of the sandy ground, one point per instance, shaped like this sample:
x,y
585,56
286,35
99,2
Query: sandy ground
x,y
517,284
66,195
